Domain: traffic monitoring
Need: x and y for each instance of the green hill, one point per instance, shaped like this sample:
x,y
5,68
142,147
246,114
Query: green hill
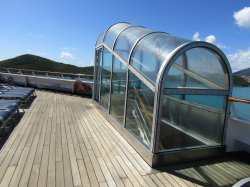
x,y
33,62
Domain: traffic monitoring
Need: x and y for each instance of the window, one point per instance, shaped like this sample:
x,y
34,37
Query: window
x,y
118,90
139,115
105,78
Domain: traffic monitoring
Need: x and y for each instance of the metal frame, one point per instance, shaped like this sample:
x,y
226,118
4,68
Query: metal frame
x,y
160,80
159,90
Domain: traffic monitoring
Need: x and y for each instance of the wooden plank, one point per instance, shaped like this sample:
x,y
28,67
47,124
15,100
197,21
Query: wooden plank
x,y
136,173
83,173
3,153
150,182
88,165
128,172
98,148
51,180
59,174
39,151
74,166
58,142
156,180
179,180
96,166
28,165
187,172
115,140
103,184
170,179
7,177
8,157
107,175
34,175
230,170
163,179
212,176
68,179
43,175
18,171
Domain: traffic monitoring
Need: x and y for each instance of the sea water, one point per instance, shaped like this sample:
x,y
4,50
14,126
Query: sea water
x,y
241,110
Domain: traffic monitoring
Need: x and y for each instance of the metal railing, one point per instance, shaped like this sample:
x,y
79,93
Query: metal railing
x,y
240,108
47,74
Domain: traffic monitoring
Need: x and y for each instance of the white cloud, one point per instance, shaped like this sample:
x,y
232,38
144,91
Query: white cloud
x,y
211,39
242,18
196,36
239,60
67,55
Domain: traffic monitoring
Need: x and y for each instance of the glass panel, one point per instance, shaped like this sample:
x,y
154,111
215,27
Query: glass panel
x,y
139,115
151,51
127,40
98,65
105,78
113,32
203,126
118,90
198,68
100,39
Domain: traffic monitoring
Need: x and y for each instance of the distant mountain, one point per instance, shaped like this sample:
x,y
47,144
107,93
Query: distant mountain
x,y
244,72
242,77
33,62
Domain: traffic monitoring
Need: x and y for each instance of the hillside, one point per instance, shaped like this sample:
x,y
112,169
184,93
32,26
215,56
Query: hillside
x,y
33,62
242,77
244,72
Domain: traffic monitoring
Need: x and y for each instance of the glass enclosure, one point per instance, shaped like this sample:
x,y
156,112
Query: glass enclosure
x,y
168,93
105,78
139,114
118,90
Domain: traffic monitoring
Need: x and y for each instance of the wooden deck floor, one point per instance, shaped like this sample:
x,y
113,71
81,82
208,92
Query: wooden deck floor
x,y
64,140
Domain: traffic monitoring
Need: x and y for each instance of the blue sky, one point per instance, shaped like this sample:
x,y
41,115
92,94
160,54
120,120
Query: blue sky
x,y
66,31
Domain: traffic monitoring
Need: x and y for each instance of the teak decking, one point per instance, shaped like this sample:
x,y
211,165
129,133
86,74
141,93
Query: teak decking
x,y
65,140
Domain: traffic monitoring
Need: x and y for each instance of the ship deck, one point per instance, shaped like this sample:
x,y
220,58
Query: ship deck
x,y
64,140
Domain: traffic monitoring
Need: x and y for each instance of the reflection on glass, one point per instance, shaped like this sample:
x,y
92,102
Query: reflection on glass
x,y
139,110
105,78
118,90
127,40
113,32
151,51
189,121
198,68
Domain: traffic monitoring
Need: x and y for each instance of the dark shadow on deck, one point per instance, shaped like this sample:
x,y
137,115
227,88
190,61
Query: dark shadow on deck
x,y
9,127
224,171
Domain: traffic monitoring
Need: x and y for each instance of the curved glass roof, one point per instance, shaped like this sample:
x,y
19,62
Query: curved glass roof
x,y
112,33
127,39
149,53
